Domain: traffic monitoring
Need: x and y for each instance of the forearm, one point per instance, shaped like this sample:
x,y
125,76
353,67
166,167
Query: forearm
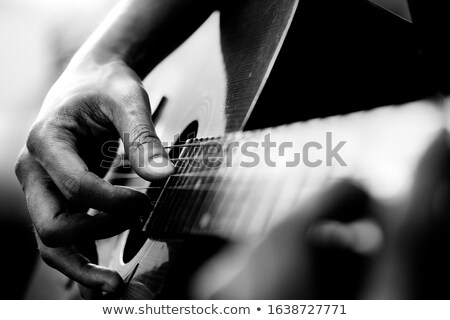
x,y
142,32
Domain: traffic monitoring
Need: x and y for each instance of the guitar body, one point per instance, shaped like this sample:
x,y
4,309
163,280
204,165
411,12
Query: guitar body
x,y
192,85
209,88
197,86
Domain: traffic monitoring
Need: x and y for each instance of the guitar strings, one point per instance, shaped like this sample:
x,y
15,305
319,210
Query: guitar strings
x,y
199,144
135,176
185,158
203,186
164,194
180,203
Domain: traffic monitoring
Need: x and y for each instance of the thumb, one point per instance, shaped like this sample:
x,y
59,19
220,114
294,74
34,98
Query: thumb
x,y
144,149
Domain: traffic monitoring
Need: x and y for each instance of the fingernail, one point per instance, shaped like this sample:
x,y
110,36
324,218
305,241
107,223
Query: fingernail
x,y
161,165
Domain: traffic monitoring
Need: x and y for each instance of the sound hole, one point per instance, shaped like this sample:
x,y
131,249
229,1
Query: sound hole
x,y
136,237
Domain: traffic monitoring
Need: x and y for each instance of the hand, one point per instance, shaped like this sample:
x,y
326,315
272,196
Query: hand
x,y
59,168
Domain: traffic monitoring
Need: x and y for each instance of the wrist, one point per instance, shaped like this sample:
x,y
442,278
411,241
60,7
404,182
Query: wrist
x,y
95,56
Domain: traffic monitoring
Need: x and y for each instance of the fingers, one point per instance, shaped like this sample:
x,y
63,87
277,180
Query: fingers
x,y
55,150
341,219
57,226
283,265
78,268
342,201
362,236
89,250
144,149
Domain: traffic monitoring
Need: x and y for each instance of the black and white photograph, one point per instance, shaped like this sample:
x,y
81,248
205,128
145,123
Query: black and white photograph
x,y
225,150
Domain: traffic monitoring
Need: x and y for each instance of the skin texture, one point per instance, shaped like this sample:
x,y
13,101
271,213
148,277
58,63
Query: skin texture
x,y
100,98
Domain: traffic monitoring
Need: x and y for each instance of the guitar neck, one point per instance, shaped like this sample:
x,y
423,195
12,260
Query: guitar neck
x,y
232,187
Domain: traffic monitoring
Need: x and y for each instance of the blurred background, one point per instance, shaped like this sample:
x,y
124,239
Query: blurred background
x,y
37,39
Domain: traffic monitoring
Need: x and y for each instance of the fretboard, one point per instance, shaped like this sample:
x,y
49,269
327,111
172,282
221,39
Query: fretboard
x,y
220,189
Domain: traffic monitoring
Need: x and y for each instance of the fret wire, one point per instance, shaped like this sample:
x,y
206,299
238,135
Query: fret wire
x,y
163,218
151,216
186,173
181,201
235,216
199,196
188,220
185,214
203,143
248,205
204,187
200,174
194,220
284,202
172,196
209,157
154,207
226,207
256,180
210,199
203,184
175,159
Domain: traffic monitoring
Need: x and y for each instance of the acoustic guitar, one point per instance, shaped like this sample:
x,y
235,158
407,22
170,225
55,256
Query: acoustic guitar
x,y
228,185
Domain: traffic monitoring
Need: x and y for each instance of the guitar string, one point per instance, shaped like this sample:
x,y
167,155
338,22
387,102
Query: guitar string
x,y
190,144
194,158
185,216
191,158
189,174
225,214
179,207
184,187
161,194
185,167
153,203
199,201
187,171
172,194
206,221
181,203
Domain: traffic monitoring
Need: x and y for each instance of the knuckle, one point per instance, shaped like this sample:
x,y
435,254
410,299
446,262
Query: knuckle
x,y
86,269
20,165
124,89
35,137
143,134
71,189
25,168
48,235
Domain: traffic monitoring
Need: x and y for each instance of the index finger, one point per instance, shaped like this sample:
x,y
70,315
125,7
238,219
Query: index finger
x,y
78,268
57,226
56,152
